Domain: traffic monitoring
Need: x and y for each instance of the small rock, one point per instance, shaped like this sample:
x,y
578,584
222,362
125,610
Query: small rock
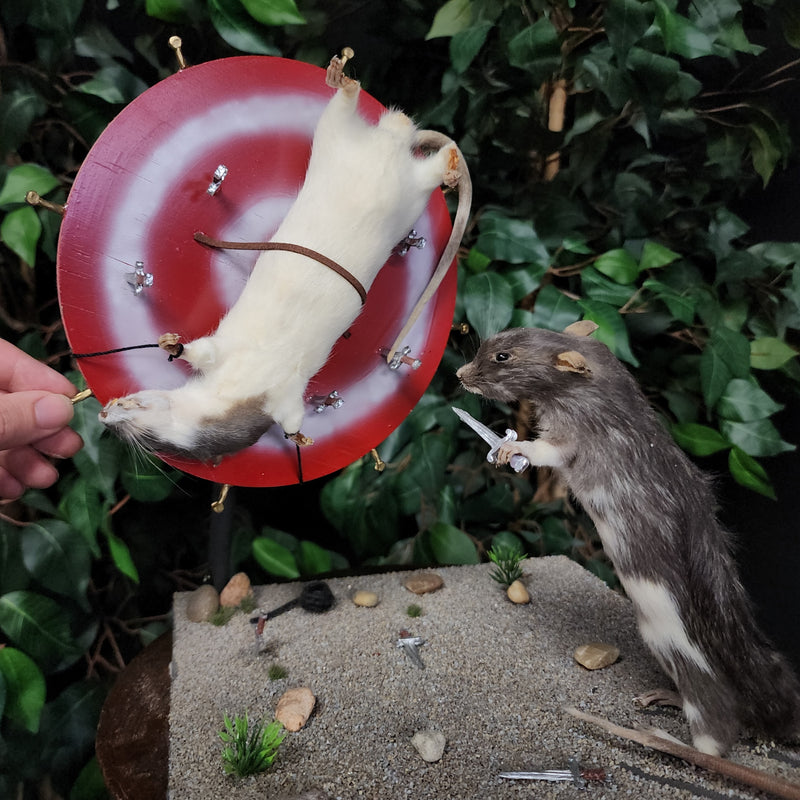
x,y
429,744
203,604
366,599
295,707
517,593
424,582
596,655
237,588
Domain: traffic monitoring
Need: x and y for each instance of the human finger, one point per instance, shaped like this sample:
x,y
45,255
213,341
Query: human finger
x,y
27,417
30,468
21,372
62,444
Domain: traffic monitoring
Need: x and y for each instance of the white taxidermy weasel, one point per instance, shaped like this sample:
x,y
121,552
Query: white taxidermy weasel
x,y
364,188
655,513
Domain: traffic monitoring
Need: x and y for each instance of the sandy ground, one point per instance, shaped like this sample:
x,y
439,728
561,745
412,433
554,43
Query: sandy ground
x,y
497,677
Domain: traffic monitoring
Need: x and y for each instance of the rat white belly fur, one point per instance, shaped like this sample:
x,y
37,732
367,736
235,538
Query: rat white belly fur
x,y
365,186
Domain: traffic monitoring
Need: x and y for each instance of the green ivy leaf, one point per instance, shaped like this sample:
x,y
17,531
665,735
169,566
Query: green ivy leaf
x,y
81,507
619,265
450,545
18,110
757,438
24,178
274,12
58,557
769,352
626,21
25,688
274,558
115,84
681,305
725,356
680,35
553,310
747,472
655,255
466,44
313,559
452,18
20,231
238,28
40,627
744,401
536,49
145,478
611,329
502,238
13,574
699,440
121,555
488,302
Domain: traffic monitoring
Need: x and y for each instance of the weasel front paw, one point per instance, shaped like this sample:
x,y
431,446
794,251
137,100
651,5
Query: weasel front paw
x,y
171,343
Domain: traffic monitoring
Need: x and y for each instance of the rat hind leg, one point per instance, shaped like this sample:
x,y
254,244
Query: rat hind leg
x,y
440,168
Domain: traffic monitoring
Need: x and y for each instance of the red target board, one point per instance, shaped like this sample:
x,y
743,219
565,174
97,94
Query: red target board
x,y
129,268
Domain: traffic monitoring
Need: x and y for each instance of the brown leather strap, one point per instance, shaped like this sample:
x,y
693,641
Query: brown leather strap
x,y
291,248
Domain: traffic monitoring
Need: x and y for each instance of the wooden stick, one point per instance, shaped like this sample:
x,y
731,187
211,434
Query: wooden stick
x,y
756,778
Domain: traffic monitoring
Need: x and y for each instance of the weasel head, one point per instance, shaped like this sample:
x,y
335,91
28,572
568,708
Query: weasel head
x,y
176,423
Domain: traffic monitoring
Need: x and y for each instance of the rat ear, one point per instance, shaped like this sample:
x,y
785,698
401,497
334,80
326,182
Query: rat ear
x,y
583,327
572,361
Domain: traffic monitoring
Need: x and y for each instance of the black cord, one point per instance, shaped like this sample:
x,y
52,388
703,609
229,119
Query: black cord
x,y
123,349
115,350
299,463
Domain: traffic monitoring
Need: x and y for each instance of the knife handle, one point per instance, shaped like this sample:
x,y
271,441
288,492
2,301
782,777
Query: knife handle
x,y
517,462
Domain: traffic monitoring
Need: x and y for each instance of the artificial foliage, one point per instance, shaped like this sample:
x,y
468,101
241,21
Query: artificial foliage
x,y
610,144
249,749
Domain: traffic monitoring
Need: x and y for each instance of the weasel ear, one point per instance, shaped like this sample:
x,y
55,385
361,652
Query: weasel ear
x,y
583,327
572,361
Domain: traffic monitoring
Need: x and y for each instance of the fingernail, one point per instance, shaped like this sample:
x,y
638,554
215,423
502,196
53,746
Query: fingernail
x,y
52,411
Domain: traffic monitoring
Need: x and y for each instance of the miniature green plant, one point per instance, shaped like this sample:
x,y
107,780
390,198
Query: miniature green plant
x,y
506,557
414,610
249,752
222,616
276,672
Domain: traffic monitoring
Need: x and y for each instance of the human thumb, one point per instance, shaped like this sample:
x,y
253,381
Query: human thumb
x,y
27,417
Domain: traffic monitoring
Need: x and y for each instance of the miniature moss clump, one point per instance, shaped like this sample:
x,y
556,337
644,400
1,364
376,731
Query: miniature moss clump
x,y
276,672
248,604
249,752
221,616
506,558
414,610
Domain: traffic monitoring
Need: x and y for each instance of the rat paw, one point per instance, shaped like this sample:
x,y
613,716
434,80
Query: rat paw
x,y
171,343
452,174
659,697
299,439
505,451
336,79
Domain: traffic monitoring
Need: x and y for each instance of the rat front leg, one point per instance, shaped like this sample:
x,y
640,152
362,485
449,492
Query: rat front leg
x,y
539,452
200,354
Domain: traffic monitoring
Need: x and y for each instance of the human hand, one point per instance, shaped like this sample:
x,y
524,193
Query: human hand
x,y
34,413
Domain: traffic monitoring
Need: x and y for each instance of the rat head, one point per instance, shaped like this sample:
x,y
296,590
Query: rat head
x,y
176,423
531,363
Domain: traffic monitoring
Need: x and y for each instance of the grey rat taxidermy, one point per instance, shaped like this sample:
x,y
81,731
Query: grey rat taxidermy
x,y
365,187
654,512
